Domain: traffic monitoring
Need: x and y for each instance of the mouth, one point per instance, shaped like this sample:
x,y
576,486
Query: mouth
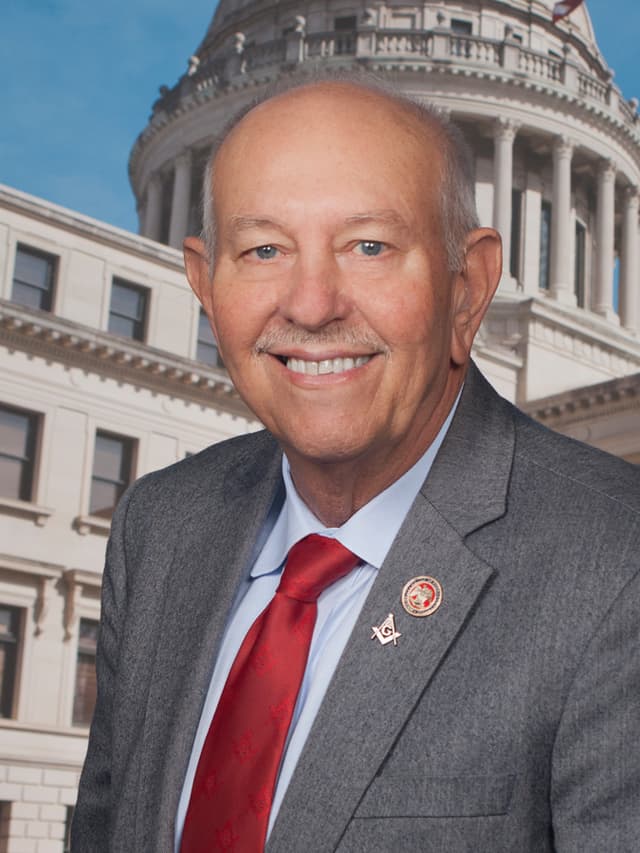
x,y
324,366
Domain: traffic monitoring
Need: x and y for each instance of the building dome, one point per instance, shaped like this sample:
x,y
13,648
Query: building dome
x,y
556,147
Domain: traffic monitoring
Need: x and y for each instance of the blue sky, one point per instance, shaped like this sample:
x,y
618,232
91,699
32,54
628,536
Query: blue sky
x,y
79,77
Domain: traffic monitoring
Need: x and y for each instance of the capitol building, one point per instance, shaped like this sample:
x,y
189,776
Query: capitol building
x,y
110,369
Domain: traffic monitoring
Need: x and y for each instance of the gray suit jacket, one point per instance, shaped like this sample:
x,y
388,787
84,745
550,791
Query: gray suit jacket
x,y
507,721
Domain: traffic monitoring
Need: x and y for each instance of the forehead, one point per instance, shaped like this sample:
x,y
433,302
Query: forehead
x,y
328,142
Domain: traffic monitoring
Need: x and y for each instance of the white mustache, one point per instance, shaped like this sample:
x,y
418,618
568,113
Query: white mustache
x,y
332,335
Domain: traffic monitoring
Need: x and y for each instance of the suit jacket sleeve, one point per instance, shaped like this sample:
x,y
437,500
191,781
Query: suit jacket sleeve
x,y
93,813
595,793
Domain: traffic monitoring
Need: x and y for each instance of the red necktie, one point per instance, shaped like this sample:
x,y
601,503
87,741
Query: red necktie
x,y
236,775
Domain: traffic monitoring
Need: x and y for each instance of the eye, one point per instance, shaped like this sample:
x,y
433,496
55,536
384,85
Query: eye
x,y
265,253
370,248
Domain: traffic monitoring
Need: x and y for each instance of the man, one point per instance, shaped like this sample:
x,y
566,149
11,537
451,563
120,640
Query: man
x,y
472,678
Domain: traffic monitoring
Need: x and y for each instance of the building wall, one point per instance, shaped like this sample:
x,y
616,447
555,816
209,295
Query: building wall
x,y
64,366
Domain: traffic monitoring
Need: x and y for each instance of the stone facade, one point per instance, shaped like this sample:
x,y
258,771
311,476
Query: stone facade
x,y
556,148
74,383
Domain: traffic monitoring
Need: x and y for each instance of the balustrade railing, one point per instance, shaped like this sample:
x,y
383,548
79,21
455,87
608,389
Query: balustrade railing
x,y
473,49
325,45
429,46
590,87
402,43
540,65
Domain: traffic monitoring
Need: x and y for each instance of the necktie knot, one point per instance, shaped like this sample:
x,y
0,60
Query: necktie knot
x,y
313,564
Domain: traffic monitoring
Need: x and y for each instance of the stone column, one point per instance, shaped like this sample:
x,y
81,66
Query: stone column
x,y
505,133
181,200
605,224
561,285
153,209
629,270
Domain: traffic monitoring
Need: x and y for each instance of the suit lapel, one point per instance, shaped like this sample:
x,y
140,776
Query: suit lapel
x,y
209,563
376,687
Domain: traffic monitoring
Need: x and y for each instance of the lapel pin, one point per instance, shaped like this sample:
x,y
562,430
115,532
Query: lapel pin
x,y
422,596
386,632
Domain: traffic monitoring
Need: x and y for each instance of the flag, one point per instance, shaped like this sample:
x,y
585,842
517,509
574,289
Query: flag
x,y
561,10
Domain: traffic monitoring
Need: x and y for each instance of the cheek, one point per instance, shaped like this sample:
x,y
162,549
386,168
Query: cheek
x,y
407,316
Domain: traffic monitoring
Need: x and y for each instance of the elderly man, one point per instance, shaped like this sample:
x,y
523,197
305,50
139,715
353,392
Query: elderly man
x,y
403,618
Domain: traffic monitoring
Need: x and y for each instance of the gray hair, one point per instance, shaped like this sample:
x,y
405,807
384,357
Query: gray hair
x,y
457,188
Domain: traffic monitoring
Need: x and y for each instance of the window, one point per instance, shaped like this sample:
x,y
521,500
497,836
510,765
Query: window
x,y
579,265
463,28
84,699
207,349
460,44
545,245
5,825
68,820
128,311
516,232
112,469
9,642
33,278
347,22
18,434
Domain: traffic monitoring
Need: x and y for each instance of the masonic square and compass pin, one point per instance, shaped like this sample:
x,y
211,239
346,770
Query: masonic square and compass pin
x,y
386,631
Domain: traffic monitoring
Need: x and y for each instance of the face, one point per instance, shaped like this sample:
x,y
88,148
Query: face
x,y
331,300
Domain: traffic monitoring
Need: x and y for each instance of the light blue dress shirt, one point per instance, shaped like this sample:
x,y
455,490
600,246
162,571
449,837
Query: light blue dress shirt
x,y
369,533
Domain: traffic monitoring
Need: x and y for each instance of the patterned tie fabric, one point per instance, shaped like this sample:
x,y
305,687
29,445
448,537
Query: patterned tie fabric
x,y
236,775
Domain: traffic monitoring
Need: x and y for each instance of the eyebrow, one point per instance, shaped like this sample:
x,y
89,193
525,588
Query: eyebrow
x,y
245,223
386,217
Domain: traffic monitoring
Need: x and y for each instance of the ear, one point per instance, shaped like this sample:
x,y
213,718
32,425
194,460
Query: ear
x,y
474,287
196,264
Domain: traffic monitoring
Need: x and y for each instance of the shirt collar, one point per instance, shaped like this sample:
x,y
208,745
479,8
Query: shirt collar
x,y
369,532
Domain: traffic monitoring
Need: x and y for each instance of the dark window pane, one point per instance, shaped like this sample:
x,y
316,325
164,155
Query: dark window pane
x,y
104,497
33,278
545,245
112,463
108,457
462,27
18,432
516,232
346,22
126,301
127,313
9,638
15,429
579,273
207,349
11,477
67,830
85,691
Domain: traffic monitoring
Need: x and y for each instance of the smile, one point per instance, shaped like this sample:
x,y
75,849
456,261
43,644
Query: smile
x,y
327,365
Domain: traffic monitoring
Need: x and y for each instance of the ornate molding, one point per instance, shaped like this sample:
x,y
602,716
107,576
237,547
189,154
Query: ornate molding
x,y
77,583
46,335
581,404
26,509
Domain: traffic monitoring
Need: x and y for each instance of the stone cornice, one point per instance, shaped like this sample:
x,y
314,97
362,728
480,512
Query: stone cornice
x,y
42,334
582,404
577,322
92,229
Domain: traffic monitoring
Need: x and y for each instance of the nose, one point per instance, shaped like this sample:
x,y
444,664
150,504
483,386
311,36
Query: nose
x,y
315,293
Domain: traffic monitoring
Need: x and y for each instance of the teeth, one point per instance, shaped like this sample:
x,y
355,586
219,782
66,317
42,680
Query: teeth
x,y
327,365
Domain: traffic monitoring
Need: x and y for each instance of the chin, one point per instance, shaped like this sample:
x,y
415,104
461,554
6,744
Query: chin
x,y
324,450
